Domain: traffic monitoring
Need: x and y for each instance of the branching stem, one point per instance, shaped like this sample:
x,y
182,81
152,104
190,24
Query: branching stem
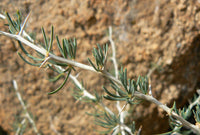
x,y
27,114
113,58
85,92
20,126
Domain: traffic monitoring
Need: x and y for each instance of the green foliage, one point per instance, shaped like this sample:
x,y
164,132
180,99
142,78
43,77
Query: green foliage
x,y
173,121
197,114
186,113
110,122
105,120
129,88
18,126
100,57
133,127
68,50
61,86
79,94
14,25
143,84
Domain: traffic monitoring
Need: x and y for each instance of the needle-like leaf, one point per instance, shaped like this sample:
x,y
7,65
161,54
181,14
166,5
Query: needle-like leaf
x,y
32,64
28,54
51,39
56,78
45,38
61,86
59,46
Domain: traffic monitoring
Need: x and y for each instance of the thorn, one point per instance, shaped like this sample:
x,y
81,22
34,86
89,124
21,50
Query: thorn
x,y
24,24
78,100
198,91
15,85
122,109
150,91
106,59
139,131
45,61
77,75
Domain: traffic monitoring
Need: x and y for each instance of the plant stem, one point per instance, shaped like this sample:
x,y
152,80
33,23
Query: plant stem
x,y
20,126
113,58
28,116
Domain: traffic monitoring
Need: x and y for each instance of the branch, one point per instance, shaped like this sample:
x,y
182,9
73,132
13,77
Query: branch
x,y
197,101
44,52
2,16
85,92
52,127
185,123
20,126
113,58
28,116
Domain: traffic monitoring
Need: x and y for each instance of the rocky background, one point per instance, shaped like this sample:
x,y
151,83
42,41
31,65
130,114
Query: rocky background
x,y
147,33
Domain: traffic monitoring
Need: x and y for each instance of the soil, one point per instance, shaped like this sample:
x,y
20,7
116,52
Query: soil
x,y
160,37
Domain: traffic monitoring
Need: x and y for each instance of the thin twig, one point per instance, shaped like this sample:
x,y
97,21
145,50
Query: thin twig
x,y
122,109
44,52
116,130
20,126
52,127
150,73
154,68
28,116
2,16
113,53
127,129
24,24
139,131
185,123
150,90
75,80
197,101
85,92
23,33
113,58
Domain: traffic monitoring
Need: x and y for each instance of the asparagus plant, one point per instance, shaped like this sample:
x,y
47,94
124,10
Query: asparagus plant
x,y
127,91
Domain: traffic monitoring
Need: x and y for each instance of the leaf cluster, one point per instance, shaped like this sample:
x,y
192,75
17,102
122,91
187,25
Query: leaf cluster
x,y
100,56
79,94
129,87
197,114
14,25
186,112
18,126
106,120
68,50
